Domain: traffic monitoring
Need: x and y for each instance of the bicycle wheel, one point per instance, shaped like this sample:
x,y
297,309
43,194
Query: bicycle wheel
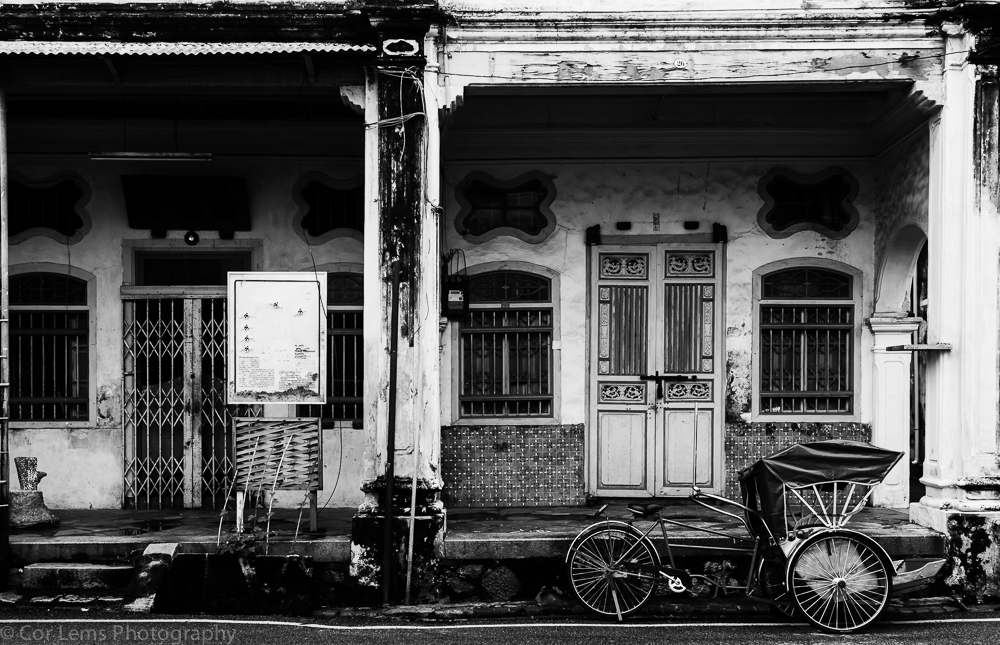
x,y
839,581
610,569
772,586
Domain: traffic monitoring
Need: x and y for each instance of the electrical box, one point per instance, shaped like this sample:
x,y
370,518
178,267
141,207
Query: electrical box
x,y
454,296
276,337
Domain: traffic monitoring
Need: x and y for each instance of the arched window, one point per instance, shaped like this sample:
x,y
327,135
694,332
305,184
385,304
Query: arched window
x,y
506,346
806,329
49,348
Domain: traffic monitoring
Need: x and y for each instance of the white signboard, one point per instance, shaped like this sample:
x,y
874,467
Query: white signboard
x,y
277,337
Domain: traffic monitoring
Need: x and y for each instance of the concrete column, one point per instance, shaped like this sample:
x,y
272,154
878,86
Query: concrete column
x,y
961,470
949,205
891,427
401,228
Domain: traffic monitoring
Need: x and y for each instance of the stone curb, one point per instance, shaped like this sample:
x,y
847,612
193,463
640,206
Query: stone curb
x,y
911,610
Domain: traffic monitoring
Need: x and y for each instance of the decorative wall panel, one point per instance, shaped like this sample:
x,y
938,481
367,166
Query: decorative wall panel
x,y
748,442
486,466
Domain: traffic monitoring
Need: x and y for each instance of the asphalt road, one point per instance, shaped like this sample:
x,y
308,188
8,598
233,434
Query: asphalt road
x,y
76,627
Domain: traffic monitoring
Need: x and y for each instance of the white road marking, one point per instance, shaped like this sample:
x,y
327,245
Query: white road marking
x,y
428,627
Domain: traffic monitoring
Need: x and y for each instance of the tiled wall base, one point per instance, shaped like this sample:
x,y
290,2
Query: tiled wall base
x,y
485,466
512,465
748,442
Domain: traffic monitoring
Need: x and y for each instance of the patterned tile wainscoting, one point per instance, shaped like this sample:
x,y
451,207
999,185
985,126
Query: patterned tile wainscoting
x,y
512,465
748,442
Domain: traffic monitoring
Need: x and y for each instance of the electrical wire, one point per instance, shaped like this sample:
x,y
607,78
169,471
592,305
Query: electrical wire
x,y
733,77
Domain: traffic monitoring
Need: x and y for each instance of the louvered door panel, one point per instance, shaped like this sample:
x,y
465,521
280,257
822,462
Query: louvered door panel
x,y
627,330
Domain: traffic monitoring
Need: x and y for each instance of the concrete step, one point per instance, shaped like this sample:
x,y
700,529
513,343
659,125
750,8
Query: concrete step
x,y
66,576
47,599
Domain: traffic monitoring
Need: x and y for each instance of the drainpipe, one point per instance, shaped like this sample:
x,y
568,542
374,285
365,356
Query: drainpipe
x,y
4,347
390,450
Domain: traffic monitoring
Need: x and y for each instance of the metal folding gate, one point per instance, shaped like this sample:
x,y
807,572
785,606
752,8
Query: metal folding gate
x,y
178,428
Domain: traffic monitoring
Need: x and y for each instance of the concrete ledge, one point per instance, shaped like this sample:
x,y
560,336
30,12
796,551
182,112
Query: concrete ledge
x,y
330,549
50,550
911,541
75,575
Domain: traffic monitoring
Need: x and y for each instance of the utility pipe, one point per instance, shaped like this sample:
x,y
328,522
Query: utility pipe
x,y
390,450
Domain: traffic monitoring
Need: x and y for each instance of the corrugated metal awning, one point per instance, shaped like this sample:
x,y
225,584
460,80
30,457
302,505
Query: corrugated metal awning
x,y
172,49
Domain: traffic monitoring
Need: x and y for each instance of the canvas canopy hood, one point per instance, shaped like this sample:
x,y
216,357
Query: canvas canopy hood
x,y
811,463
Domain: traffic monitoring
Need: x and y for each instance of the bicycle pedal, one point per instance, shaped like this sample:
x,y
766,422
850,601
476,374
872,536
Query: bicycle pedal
x,y
677,581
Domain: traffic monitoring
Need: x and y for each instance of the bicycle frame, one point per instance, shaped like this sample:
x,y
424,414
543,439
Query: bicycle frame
x,y
751,546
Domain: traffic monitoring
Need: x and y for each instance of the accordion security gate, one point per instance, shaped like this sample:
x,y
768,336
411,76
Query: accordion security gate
x,y
178,428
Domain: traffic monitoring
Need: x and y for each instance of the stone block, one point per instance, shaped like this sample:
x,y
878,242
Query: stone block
x,y
28,510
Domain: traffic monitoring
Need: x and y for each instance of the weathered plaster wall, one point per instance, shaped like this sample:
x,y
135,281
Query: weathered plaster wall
x,y
97,444
672,193
901,190
84,465
974,555
708,192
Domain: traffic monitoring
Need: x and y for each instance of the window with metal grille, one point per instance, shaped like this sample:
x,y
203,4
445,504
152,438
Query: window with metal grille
x,y
518,207
345,350
49,348
53,207
506,347
806,342
332,208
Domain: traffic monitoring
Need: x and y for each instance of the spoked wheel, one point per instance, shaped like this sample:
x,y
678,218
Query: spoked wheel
x,y
839,581
610,569
772,586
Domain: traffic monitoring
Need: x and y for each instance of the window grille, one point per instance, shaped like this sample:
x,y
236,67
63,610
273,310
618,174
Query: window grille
x,y
822,202
518,207
506,347
52,207
332,208
49,348
509,286
345,350
806,345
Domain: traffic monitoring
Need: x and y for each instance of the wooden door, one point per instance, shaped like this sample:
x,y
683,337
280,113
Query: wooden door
x,y
656,422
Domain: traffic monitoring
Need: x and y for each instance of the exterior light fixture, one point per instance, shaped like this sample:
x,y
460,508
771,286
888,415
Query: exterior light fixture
x,y
191,238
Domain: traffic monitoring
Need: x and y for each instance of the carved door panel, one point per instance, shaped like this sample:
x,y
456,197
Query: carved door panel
x,y
655,371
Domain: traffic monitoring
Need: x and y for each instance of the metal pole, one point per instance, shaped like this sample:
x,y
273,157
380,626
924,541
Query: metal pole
x,y
4,347
390,450
413,514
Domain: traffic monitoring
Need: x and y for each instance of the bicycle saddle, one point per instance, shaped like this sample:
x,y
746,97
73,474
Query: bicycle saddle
x,y
644,510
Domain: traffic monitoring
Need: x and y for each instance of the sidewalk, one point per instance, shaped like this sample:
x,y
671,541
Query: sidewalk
x,y
470,534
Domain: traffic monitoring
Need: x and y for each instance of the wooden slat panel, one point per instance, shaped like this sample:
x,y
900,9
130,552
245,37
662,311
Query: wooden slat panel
x,y
628,337
622,441
261,444
682,346
684,451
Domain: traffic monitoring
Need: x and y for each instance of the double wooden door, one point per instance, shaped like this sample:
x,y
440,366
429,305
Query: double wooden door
x,y
656,370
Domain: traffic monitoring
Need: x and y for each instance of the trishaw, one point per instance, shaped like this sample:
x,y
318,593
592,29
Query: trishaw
x,y
803,561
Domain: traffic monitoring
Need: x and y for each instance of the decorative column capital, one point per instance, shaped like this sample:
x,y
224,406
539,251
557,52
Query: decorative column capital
x,y
882,324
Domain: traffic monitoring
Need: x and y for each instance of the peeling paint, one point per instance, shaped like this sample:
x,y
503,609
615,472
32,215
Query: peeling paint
x,y
109,406
974,552
738,385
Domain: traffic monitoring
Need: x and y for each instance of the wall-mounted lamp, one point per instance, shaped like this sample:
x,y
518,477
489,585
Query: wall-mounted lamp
x,y
191,238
